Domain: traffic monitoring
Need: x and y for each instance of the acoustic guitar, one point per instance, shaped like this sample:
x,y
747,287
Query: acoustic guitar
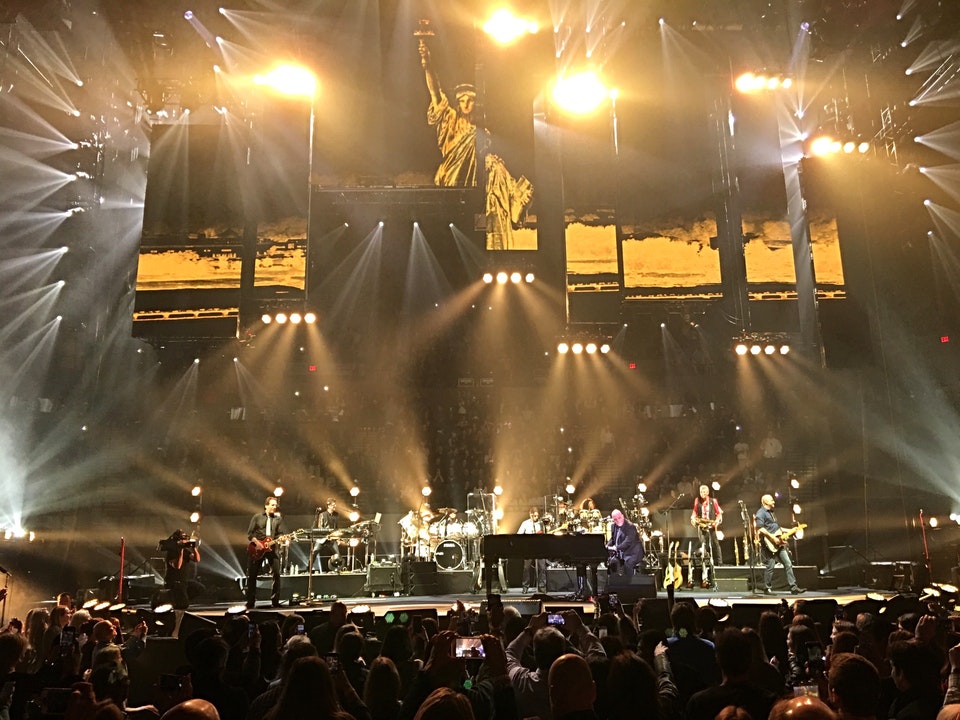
x,y
780,537
256,549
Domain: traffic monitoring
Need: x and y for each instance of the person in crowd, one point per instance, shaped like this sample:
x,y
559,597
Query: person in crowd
x,y
734,658
773,548
445,704
804,707
915,671
298,646
397,647
572,690
264,528
853,684
349,647
324,635
194,709
632,683
692,658
309,693
625,547
533,525
208,660
531,686
762,671
381,693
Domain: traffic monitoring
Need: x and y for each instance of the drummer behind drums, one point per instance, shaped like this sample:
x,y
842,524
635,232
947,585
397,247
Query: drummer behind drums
x,y
533,526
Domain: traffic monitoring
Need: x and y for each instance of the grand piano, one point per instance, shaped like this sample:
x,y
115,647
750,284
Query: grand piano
x,y
584,549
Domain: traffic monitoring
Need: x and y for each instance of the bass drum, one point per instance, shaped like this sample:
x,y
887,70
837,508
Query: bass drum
x,y
449,555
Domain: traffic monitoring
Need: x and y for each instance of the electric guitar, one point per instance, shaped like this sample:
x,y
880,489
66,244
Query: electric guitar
x,y
678,568
668,576
780,537
256,549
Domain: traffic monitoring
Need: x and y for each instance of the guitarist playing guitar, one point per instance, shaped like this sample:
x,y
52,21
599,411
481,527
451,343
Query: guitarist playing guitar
x,y
265,530
772,535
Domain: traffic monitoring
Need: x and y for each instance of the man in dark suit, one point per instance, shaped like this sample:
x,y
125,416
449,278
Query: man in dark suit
x,y
625,543
265,526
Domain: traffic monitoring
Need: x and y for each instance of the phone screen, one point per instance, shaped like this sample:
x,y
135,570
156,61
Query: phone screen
x,y
333,661
554,619
67,636
300,629
469,647
251,629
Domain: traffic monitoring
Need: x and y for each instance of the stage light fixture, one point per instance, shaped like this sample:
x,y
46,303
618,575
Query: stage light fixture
x,y
741,349
604,349
488,278
563,348
196,491
502,278
281,318
769,350
310,318
515,278
354,516
784,349
498,490
755,349
296,318
577,348
529,277
194,517
426,491
278,491
591,348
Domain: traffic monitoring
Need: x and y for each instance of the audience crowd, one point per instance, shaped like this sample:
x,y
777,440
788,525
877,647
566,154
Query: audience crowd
x,y
626,662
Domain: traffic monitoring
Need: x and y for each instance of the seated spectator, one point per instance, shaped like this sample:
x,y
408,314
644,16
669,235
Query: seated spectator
x,y
804,707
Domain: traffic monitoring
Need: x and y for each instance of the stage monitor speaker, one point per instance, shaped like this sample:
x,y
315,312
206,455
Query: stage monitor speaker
x,y
631,589
822,610
383,579
455,582
748,615
188,623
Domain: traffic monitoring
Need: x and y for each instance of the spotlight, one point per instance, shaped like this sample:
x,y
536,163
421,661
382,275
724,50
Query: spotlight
x,y
488,278
426,491
296,318
281,318
354,516
797,509
642,487
577,348
194,517
529,277
563,348
784,349
236,360
278,491
570,489
188,15
794,483
755,349
354,491
497,490
769,350
591,348
604,349
502,278
310,318
741,349
266,318
196,361
515,278
197,491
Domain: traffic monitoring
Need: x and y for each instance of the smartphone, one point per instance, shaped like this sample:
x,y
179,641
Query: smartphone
x,y
333,661
170,683
469,647
601,632
614,601
555,619
67,637
251,629
300,629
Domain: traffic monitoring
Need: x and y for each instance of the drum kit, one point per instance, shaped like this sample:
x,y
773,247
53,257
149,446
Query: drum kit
x,y
453,543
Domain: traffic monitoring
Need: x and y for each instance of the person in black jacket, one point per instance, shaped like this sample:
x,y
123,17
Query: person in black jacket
x,y
262,533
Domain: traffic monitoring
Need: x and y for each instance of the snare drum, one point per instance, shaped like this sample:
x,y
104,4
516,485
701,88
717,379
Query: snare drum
x,y
449,555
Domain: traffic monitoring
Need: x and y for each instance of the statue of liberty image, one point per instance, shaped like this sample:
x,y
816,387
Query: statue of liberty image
x,y
461,142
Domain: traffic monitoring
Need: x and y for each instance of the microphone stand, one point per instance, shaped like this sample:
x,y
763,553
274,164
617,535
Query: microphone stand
x,y
751,545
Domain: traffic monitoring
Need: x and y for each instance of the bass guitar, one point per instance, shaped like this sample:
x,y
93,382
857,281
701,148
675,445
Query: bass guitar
x,y
256,549
780,537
